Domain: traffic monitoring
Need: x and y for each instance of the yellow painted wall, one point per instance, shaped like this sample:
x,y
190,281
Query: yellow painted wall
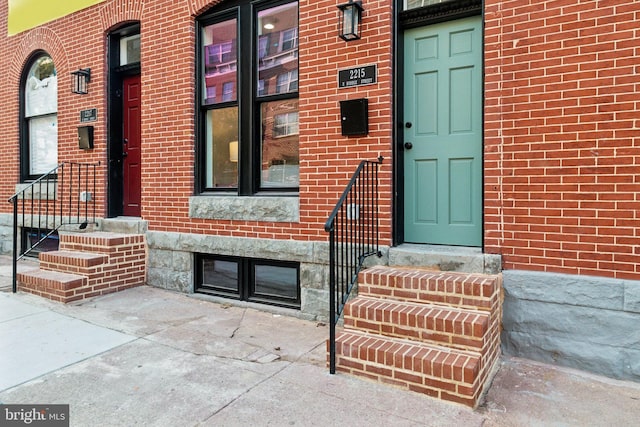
x,y
26,14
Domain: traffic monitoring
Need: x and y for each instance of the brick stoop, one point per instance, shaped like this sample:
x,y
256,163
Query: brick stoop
x,y
87,265
432,332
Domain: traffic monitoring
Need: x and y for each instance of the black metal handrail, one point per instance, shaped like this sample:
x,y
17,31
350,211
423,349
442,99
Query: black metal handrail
x,y
353,236
59,197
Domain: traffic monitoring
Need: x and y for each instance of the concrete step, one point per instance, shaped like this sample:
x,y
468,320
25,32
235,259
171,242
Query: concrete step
x,y
124,225
445,258
448,374
463,290
462,329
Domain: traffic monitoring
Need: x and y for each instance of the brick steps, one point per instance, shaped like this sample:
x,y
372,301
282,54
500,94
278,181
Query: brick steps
x,y
88,265
72,262
440,287
459,328
435,371
429,331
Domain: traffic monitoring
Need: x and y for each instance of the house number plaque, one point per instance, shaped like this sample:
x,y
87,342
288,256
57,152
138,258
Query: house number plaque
x,y
357,76
89,115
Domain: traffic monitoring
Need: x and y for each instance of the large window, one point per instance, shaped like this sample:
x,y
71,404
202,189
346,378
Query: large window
x,y
39,131
248,98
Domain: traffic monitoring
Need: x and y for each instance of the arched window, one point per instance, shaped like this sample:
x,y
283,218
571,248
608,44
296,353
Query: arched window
x,y
39,133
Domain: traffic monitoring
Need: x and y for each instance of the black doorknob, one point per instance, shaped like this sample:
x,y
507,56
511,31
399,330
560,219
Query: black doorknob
x,y
408,145
408,125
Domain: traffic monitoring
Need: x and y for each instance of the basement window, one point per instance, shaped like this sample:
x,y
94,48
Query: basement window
x,y
249,279
31,237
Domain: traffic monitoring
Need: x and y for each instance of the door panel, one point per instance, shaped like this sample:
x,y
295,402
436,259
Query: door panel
x,y
443,124
427,173
131,146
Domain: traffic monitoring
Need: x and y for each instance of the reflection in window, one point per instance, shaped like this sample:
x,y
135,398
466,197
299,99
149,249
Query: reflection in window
x,y
275,281
285,124
220,61
211,94
289,39
280,158
228,94
219,53
41,118
277,46
220,274
288,82
413,4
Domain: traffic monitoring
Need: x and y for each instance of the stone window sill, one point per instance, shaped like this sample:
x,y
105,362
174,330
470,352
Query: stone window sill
x,y
253,208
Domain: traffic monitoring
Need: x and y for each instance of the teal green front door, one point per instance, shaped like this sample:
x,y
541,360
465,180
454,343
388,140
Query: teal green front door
x,y
443,133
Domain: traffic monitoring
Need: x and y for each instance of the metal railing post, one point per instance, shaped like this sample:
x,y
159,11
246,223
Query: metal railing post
x,y
353,232
14,276
332,303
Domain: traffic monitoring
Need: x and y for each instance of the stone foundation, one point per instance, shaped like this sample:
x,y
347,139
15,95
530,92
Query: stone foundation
x,y
583,322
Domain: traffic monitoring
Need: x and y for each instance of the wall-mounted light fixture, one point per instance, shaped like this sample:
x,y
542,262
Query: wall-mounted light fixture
x,y
80,80
350,20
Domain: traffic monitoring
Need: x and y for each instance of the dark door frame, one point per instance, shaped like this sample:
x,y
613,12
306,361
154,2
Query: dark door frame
x,y
116,74
433,14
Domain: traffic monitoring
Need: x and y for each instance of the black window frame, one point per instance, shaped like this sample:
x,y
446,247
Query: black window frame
x,y
24,134
248,101
246,290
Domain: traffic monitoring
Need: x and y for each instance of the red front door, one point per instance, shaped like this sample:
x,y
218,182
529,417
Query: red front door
x,y
131,146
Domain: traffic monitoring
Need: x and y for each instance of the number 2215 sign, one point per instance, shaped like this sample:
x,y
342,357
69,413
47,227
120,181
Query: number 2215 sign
x,y
357,76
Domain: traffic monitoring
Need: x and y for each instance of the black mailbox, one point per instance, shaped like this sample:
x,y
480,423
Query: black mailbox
x,y
85,137
354,116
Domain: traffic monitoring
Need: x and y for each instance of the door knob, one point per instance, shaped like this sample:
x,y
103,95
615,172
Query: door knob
x,y
408,145
408,125
125,154
125,141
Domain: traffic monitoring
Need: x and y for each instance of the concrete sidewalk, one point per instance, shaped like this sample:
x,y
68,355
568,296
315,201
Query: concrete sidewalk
x,y
147,356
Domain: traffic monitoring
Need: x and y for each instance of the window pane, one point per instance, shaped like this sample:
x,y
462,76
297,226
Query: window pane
x,y
221,149
412,4
276,281
130,49
220,62
287,82
279,149
220,274
278,47
43,144
41,89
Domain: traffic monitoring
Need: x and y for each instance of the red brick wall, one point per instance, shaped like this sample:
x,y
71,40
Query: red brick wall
x,y
562,136
327,159
561,122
